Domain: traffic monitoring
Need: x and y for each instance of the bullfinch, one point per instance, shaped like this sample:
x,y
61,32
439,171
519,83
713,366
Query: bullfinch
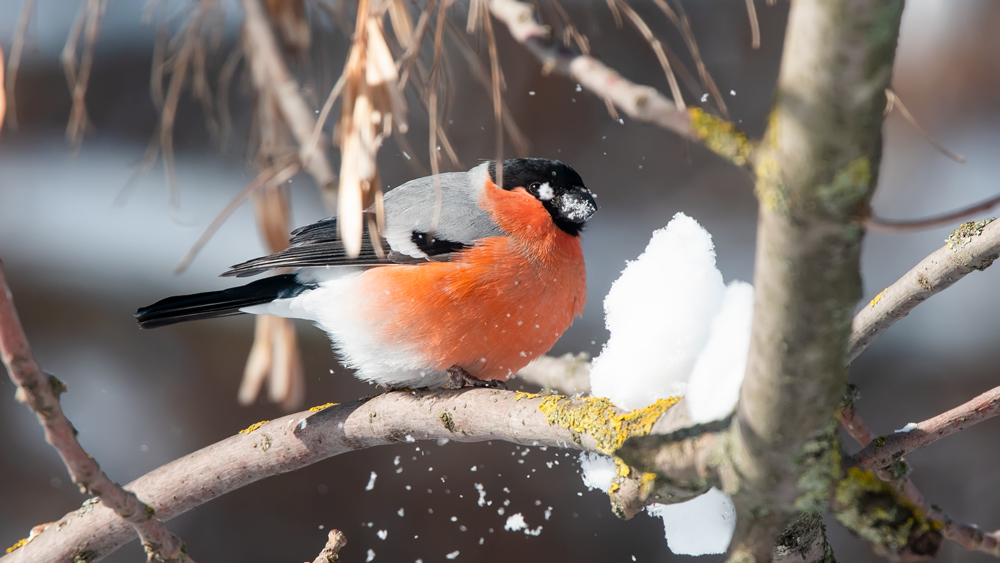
x,y
468,301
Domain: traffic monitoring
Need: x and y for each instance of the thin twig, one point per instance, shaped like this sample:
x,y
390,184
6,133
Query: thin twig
x,y
884,450
642,103
271,175
911,225
78,113
969,536
681,22
225,79
974,246
893,102
16,49
335,541
754,25
40,392
497,79
310,146
432,110
658,48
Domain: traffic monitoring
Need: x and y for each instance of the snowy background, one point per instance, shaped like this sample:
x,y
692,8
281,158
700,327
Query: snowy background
x,y
80,266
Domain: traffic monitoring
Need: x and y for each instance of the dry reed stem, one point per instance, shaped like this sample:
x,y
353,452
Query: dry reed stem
x,y
16,50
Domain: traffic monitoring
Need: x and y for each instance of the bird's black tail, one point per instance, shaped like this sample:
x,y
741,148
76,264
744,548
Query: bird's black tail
x,y
223,303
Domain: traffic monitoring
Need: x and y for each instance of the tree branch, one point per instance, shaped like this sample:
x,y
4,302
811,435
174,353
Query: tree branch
x,y
294,441
969,536
974,246
41,394
335,541
641,103
884,450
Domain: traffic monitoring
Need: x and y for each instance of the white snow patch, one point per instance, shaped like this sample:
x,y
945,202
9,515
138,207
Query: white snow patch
x,y
909,426
545,192
382,534
371,481
598,470
659,313
452,555
515,523
400,512
536,532
676,329
482,494
371,556
715,381
700,526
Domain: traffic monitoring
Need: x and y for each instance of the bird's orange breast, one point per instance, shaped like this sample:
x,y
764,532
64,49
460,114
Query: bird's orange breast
x,y
495,306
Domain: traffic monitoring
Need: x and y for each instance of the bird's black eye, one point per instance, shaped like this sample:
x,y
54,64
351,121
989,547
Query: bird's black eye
x,y
534,187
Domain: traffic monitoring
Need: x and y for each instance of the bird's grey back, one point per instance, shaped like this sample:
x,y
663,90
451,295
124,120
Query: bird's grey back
x,y
410,208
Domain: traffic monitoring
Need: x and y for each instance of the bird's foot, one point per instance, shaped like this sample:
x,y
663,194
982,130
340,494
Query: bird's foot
x,y
458,378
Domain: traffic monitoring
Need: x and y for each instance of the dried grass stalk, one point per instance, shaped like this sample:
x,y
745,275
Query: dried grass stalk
x,y
372,102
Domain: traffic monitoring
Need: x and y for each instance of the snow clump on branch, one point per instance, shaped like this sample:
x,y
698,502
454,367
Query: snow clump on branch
x,y
676,330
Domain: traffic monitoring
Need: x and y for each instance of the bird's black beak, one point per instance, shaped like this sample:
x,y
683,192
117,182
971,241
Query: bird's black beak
x,y
575,205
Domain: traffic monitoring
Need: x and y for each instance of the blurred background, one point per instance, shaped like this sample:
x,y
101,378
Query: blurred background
x,y
80,264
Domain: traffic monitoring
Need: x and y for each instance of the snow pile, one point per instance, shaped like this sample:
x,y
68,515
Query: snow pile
x,y
658,313
699,526
597,470
515,523
676,329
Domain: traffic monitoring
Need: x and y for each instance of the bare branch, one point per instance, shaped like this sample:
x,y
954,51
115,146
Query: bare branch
x,y
40,392
969,536
910,225
974,246
893,102
884,450
336,540
642,103
298,440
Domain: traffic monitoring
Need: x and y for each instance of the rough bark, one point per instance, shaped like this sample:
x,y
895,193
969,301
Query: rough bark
x,y
816,172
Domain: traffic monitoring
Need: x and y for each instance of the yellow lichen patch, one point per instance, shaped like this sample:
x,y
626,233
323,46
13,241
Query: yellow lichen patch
x,y
875,511
878,298
849,186
622,471
20,543
518,395
323,406
880,441
720,136
768,186
602,420
966,232
253,427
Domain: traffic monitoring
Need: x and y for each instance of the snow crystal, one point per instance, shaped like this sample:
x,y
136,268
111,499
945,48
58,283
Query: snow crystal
x,y
482,494
396,461
515,523
536,532
452,555
662,302
598,470
371,482
548,513
382,534
699,526
371,556
909,426
400,512
715,381
545,192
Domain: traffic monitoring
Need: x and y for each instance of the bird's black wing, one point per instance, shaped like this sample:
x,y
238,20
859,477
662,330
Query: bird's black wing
x,y
318,245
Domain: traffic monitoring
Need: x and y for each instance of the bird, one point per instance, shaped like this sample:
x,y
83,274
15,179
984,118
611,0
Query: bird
x,y
464,284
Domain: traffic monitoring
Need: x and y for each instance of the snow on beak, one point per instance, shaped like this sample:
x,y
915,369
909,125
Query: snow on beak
x,y
576,205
